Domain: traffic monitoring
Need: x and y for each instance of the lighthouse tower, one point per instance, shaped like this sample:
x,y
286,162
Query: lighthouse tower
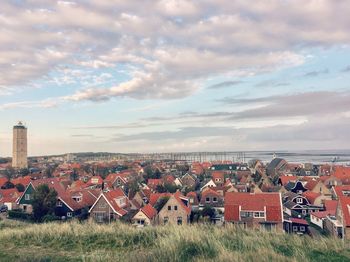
x,y
19,155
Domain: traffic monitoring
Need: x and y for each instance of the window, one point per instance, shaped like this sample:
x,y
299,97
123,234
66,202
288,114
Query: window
x,y
191,200
118,182
69,214
299,200
295,228
27,197
166,220
59,203
215,199
304,212
175,207
179,220
140,221
259,214
169,207
302,229
207,199
246,214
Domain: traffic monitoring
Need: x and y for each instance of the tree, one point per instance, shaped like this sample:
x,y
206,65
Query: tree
x,y
208,211
74,176
7,185
44,202
160,203
160,189
9,172
24,171
20,187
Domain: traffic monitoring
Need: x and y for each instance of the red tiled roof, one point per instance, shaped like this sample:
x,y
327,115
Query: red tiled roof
x,y
218,175
311,196
310,185
253,202
88,198
286,179
149,211
323,214
115,194
342,173
9,195
155,196
330,205
52,183
299,221
21,180
209,191
95,180
169,179
344,202
3,180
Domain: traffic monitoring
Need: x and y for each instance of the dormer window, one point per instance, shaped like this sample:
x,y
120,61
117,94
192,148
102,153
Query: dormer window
x,y
346,193
77,198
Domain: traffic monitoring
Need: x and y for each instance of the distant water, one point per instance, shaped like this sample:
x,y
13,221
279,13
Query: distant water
x,y
307,156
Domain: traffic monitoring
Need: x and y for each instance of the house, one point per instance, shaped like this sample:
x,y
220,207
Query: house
x,y
109,206
342,173
152,183
9,197
193,199
316,199
276,167
330,181
178,182
317,186
188,181
146,216
218,177
25,201
251,210
176,209
94,182
211,198
115,180
296,226
296,205
318,218
210,183
342,215
72,203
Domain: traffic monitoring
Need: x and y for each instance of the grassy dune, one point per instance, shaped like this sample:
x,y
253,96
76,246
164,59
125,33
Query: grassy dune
x,y
119,242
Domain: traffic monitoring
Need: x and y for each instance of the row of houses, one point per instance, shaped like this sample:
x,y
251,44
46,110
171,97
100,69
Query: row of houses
x,y
298,203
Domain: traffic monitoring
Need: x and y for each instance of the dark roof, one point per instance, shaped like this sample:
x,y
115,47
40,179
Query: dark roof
x,y
275,162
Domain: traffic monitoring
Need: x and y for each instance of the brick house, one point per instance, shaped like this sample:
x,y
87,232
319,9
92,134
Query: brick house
x,y
211,198
146,216
176,210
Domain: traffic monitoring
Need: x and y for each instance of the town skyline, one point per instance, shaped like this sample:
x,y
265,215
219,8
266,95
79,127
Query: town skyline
x,y
175,76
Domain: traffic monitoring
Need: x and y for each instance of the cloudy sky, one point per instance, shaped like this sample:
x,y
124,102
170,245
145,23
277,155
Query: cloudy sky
x,y
175,75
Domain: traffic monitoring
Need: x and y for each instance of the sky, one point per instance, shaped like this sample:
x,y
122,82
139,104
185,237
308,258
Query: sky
x,y
175,75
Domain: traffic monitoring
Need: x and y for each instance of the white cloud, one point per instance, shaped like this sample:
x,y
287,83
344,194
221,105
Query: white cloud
x,y
172,44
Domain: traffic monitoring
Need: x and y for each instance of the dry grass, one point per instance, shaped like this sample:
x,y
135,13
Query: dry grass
x,y
119,242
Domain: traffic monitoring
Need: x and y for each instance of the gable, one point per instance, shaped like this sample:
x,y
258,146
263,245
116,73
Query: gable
x,y
29,190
